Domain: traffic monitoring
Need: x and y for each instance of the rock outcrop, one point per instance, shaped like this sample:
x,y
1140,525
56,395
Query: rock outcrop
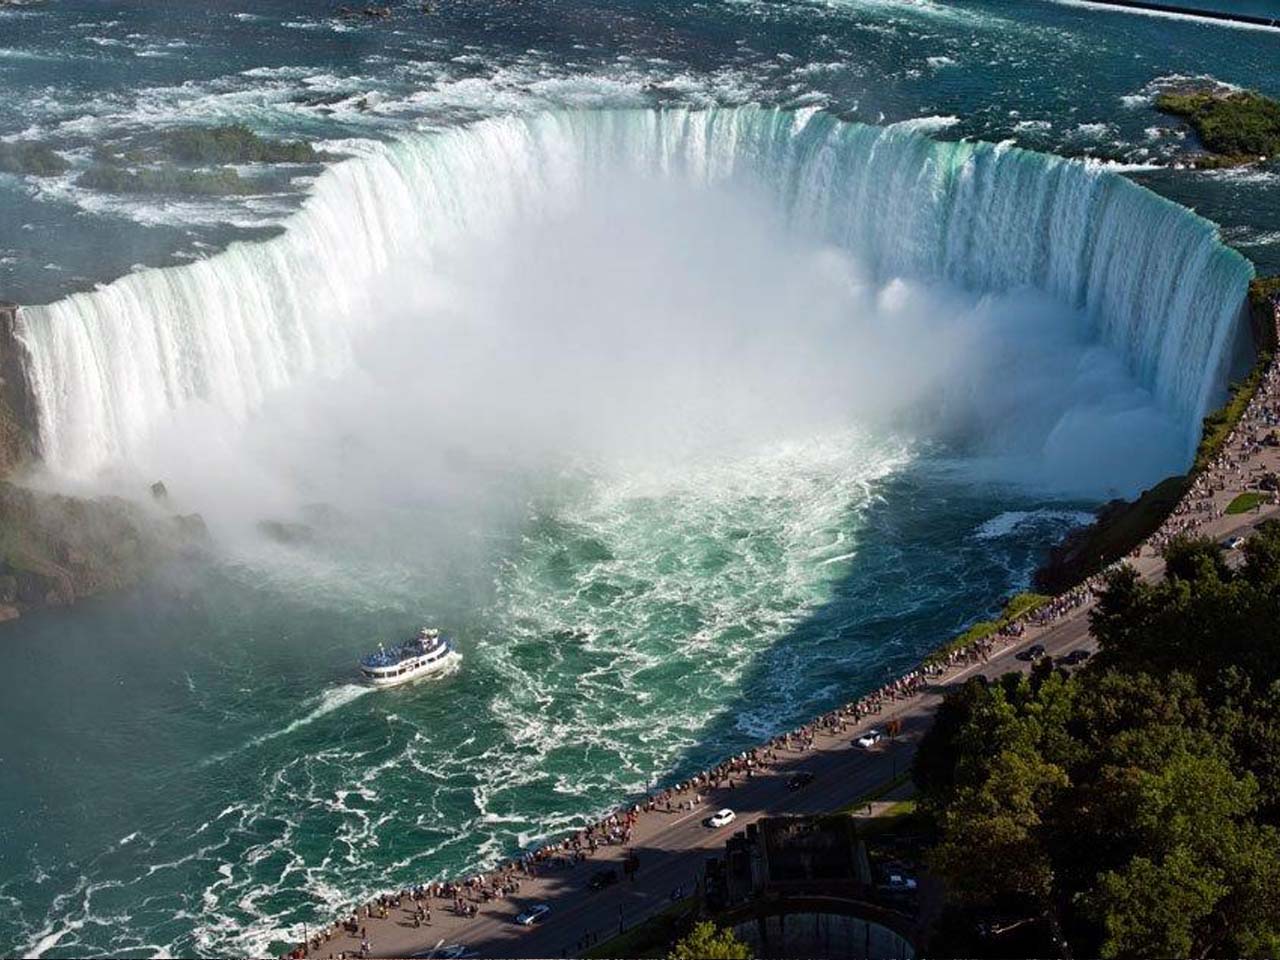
x,y
55,549
19,438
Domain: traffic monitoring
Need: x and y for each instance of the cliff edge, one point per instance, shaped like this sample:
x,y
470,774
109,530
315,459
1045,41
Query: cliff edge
x,y
57,549
19,433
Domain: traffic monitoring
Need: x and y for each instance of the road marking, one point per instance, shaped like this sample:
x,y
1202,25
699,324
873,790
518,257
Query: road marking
x,y
687,816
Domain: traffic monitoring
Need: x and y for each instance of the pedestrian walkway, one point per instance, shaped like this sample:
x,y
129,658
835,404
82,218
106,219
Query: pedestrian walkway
x,y
660,842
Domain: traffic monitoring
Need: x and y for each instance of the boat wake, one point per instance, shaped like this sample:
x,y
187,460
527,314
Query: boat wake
x,y
329,701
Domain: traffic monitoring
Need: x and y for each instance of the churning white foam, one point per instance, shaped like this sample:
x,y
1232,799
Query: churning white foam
x,y
1010,521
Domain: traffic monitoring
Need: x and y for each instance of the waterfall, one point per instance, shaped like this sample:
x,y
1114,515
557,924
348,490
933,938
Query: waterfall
x,y
1153,278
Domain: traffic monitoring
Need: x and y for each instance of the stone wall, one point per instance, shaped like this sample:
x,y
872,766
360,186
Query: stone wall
x,y
810,936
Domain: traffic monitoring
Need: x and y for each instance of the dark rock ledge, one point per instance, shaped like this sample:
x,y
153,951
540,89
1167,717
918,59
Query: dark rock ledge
x,y
55,549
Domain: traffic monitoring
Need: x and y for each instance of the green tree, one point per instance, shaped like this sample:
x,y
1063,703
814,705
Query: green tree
x,y
706,941
1131,806
1153,910
993,846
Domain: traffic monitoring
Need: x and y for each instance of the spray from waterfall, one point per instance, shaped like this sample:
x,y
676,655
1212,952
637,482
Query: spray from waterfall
x,y
1105,289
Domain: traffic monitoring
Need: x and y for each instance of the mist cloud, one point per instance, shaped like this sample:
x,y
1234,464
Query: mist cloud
x,y
656,321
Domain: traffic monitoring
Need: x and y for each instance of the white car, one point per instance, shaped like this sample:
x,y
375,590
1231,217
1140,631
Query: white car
x,y
897,881
869,739
534,914
721,818
1235,543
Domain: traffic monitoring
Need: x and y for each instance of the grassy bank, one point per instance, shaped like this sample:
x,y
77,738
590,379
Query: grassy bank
x,y
1218,425
1120,527
651,937
1016,607
1237,128
1246,502
878,793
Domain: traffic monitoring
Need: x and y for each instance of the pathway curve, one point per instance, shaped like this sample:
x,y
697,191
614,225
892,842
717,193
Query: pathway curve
x,y
672,847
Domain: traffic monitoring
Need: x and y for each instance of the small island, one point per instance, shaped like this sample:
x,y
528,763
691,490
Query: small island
x,y
1237,128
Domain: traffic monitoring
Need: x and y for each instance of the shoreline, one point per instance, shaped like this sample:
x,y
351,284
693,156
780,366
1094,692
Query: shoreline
x,y
1196,509
1148,6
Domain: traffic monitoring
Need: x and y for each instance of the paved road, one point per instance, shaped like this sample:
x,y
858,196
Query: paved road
x,y
672,848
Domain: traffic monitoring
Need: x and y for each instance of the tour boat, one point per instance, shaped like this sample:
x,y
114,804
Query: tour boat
x,y
429,652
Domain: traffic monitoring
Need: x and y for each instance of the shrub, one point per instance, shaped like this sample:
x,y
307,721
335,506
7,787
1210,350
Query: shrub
x,y
164,180
708,942
26,157
235,144
1243,124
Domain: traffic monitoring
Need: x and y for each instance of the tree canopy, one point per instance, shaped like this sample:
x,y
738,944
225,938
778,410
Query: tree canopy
x,y
1133,807
706,941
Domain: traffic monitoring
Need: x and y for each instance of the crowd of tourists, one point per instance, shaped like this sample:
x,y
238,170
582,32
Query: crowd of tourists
x,y
464,898
1233,468
1236,467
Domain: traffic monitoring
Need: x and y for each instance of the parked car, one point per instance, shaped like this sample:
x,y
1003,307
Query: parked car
x,y
603,878
535,914
800,779
1033,652
898,883
721,818
869,739
1074,657
1233,543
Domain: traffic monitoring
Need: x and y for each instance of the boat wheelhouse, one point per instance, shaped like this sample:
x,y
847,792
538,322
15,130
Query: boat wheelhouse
x,y
428,652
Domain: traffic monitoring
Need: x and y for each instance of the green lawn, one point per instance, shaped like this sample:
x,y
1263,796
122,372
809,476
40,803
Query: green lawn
x,y
649,938
1016,607
877,793
1246,502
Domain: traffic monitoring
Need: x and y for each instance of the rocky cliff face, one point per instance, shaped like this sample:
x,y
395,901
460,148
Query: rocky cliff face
x,y
18,430
55,549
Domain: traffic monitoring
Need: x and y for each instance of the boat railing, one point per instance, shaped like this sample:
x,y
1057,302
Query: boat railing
x,y
418,647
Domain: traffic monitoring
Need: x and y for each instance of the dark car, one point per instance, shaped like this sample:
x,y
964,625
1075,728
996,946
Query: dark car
x,y
603,878
1074,657
1033,652
801,779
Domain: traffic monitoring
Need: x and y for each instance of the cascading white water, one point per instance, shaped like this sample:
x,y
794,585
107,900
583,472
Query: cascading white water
x,y
109,366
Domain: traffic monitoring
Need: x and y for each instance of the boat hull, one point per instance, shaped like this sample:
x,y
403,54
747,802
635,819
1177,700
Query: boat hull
x,y
418,673
394,675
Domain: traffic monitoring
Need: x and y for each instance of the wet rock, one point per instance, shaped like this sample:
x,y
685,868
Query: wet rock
x,y
367,13
18,422
286,533
192,527
322,515
59,549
